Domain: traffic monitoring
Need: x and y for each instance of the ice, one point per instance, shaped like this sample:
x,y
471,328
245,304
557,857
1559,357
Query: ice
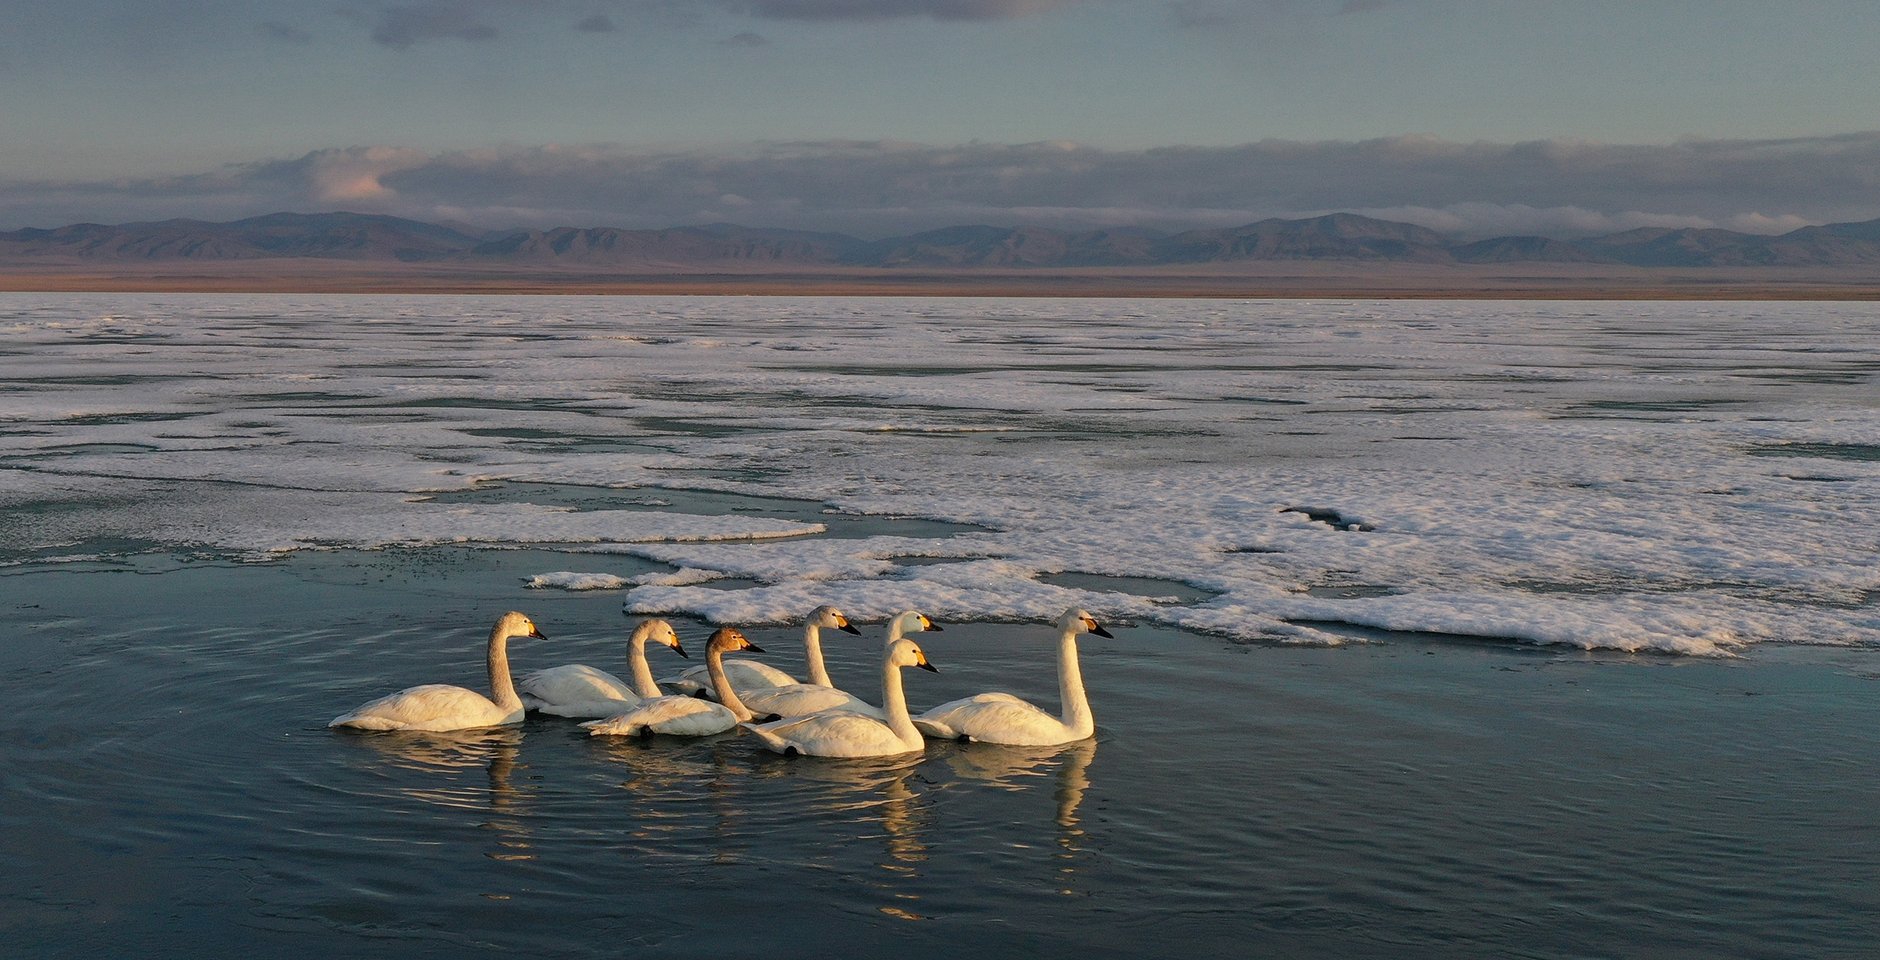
x,y
1691,478
567,580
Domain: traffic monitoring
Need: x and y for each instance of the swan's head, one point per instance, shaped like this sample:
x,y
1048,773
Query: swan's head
x,y
828,616
729,640
1080,620
907,653
513,624
913,621
659,631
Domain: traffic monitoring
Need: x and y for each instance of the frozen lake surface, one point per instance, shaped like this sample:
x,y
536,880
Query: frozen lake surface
x,y
1443,629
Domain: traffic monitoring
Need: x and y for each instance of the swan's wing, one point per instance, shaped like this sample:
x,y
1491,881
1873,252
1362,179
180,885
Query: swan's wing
x,y
995,718
579,709
575,690
743,674
752,675
676,716
432,706
689,681
802,699
830,735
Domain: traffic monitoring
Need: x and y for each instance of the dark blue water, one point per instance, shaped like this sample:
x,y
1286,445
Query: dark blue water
x,y
171,791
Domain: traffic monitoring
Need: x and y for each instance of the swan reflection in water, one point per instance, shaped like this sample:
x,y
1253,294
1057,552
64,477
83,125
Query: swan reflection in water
x,y
444,758
872,800
1014,768
671,784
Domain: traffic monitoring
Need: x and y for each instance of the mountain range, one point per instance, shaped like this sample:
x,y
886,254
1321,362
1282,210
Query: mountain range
x,y
1335,237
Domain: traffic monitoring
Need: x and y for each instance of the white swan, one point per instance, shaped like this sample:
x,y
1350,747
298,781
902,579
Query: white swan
x,y
840,733
749,675
683,716
803,699
1003,718
437,706
583,692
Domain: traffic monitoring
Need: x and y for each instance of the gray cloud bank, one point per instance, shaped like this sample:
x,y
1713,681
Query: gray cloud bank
x,y
403,24
1554,188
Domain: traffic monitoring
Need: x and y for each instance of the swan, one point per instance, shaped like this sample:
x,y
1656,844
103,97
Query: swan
x,y
803,699
1003,718
583,692
437,707
683,716
749,675
839,733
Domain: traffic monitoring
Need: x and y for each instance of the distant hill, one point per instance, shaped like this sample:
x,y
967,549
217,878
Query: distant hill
x,y
351,236
1340,237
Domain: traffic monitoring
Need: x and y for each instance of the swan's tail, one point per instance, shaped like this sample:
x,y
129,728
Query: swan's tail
x,y
935,730
680,683
769,739
613,727
365,721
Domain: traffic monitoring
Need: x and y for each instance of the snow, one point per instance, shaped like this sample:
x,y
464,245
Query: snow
x,y
1689,478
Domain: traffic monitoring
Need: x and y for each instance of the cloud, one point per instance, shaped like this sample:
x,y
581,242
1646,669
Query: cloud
x,y
1218,14
284,33
892,9
1560,188
402,26
348,178
746,39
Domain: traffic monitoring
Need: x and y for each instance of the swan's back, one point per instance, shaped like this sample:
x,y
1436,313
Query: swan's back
x,y
576,690
831,735
678,716
802,699
743,674
431,707
994,717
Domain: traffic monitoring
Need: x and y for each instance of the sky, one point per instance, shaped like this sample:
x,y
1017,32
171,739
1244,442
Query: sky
x,y
1476,117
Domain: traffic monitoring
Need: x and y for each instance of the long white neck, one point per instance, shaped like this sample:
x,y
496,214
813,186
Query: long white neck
x,y
643,682
812,652
721,685
894,705
502,688
1071,695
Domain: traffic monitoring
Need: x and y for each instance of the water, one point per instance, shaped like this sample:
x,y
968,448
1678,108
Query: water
x,y
228,519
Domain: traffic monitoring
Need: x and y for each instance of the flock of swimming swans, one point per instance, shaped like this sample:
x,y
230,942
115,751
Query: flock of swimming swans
x,y
808,718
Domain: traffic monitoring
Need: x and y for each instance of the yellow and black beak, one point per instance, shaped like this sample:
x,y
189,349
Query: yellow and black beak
x,y
1097,630
847,627
930,625
535,633
754,648
924,665
680,650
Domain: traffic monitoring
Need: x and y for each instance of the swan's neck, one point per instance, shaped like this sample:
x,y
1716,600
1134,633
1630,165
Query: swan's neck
x,y
502,688
812,651
643,682
721,685
894,705
1076,704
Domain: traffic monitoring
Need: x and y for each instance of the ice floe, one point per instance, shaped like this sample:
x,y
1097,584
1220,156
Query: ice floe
x,y
1686,478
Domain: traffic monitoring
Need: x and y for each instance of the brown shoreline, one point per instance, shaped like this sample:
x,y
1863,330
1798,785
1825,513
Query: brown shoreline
x,y
1261,280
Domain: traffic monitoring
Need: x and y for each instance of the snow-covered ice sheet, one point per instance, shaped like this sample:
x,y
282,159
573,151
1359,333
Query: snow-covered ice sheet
x,y
1678,477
